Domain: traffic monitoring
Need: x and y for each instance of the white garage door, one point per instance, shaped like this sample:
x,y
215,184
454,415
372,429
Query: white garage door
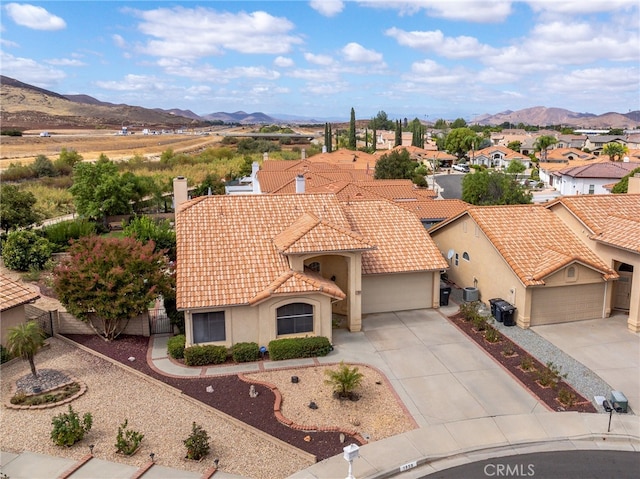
x,y
396,292
567,303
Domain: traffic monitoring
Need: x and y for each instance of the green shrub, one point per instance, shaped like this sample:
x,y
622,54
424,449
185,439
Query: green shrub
x,y
24,250
175,346
245,352
68,429
203,355
60,233
11,132
491,334
128,440
291,348
197,443
4,354
566,397
344,380
550,376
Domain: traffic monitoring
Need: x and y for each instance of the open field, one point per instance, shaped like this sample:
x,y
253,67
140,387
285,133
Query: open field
x,y
90,145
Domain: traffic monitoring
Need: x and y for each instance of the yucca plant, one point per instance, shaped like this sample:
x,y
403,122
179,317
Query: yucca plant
x,y
344,380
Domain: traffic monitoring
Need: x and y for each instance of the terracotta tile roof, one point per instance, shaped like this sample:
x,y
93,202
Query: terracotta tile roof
x,y
601,169
285,181
13,293
309,234
534,241
567,154
402,242
613,219
435,209
506,153
296,282
228,253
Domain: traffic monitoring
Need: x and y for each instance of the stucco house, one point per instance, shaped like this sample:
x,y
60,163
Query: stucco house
x,y
13,297
498,157
261,267
590,178
528,256
610,226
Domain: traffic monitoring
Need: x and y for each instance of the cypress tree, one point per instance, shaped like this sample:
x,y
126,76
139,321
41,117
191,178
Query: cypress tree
x,y
398,139
352,130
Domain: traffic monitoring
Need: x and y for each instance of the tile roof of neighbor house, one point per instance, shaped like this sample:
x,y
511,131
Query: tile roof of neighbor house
x,y
600,169
568,154
507,153
613,219
435,209
13,293
533,241
228,246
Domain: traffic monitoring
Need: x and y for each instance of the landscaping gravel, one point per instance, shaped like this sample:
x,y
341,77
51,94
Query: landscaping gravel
x,y
581,378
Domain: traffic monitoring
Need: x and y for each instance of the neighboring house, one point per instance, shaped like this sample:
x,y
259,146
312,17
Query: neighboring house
x,y
526,255
431,212
13,297
595,143
610,226
576,142
261,267
591,178
560,158
498,157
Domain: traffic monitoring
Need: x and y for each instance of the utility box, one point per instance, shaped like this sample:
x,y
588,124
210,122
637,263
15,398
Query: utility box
x,y
470,294
619,401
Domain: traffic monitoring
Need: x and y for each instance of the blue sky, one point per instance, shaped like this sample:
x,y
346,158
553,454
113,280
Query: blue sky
x,y
318,59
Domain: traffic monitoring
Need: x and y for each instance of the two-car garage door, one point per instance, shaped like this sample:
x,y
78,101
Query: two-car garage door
x,y
567,303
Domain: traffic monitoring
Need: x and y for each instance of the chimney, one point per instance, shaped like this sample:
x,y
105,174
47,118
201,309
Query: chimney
x,y
255,166
299,183
265,156
180,192
634,184
303,154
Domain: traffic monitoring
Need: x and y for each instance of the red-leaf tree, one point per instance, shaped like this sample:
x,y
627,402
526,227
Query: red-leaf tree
x,y
106,282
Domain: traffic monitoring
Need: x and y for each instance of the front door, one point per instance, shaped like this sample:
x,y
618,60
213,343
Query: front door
x,y
622,291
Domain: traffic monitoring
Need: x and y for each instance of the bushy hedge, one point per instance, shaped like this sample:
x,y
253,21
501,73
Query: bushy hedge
x,y
291,348
60,233
245,352
203,355
175,346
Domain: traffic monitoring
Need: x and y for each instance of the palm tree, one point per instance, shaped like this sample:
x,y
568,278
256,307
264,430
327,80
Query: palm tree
x,y
25,340
542,143
615,150
344,380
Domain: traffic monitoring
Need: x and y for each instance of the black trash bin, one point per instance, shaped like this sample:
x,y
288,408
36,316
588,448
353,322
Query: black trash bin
x,y
507,313
492,303
445,292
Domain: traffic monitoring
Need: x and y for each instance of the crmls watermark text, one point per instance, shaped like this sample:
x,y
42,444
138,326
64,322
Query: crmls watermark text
x,y
509,470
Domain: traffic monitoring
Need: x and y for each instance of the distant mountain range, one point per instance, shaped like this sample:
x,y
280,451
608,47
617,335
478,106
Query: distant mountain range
x,y
26,106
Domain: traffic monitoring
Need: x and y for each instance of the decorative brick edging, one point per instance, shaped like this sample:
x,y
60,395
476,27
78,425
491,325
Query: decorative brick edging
x,y
143,470
72,379
289,423
76,466
208,474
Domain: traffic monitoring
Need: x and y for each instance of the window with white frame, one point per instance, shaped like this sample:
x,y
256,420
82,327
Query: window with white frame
x,y
295,318
208,327
592,189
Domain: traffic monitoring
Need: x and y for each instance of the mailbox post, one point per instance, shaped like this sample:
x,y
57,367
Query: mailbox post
x,y
351,453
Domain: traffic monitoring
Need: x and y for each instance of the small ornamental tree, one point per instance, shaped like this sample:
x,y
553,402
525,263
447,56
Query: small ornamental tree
x,y
17,208
197,443
25,340
25,250
113,279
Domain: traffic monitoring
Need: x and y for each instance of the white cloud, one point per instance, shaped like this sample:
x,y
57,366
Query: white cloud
x,y
580,7
435,41
314,75
8,43
118,40
604,80
199,32
328,8
29,71
354,52
283,62
485,11
323,60
65,62
133,83
429,71
323,89
36,18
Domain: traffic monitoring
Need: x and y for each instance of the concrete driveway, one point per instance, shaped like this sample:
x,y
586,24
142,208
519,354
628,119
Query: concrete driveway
x,y
439,374
606,347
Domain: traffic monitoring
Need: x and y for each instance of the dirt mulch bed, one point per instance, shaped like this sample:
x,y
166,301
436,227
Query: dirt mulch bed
x,y
231,395
547,395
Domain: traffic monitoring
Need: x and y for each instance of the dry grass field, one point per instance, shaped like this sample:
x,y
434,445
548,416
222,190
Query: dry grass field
x,y
24,149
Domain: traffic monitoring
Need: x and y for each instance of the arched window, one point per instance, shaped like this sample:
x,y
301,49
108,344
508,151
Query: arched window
x,y
571,272
465,256
295,318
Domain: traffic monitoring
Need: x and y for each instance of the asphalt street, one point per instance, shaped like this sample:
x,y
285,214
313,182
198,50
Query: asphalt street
x,y
582,464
